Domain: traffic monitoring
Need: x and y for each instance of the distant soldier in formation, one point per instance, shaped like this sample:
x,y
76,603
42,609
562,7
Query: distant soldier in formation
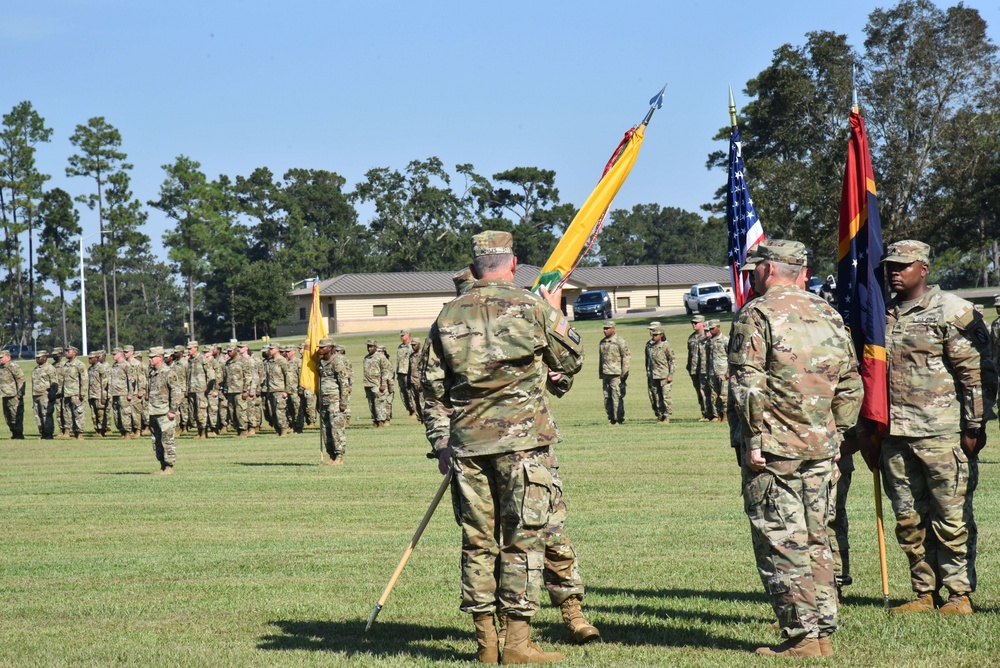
x,y
390,384
334,392
717,363
185,420
75,392
339,350
200,379
43,389
376,383
166,396
696,360
236,386
413,386
403,353
995,337
293,371
97,383
253,390
58,366
307,395
216,399
122,393
138,379
660,365
12,391
613,368
276,373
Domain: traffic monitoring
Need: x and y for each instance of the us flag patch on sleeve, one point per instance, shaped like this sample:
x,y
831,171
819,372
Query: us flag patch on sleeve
x,y
562,327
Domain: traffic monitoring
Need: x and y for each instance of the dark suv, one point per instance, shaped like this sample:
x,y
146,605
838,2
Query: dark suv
x,y
592,304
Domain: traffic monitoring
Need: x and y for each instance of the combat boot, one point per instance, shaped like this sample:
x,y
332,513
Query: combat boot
x,y
487,650
501,629
825,646
958,604
251,432
922,603
793,647
168,469
578,630
519,647
337,461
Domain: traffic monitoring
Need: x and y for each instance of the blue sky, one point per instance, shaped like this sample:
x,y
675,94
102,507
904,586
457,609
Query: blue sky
x,y
351,86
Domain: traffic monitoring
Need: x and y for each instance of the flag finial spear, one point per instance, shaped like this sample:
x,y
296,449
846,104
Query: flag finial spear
x,y
732,107
854,87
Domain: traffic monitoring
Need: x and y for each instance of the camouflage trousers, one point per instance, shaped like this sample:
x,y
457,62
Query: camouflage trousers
x,y
716,395
238,411
333,427
216,411
837,529
659,397
162,429
788,504
931,482
403,383
614,395
197,405
99,415
512,514
254,416
13,414
59,414
43,415
376,403
143,410
124,413
184,419
73,414
293,410
416,393
309,406
275,411
699,391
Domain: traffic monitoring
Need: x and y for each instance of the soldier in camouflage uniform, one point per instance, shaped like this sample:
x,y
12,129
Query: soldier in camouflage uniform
x,y
122,393
376,383
498,444
339,350
334,392
43,388
995,337
403,352
253,391
613,368
413,386
12,391
390,383
307,395
660,365
236,385
796,391
75,392
98,376
276,373
137,382
293,371
717,349
696,360
180,366
200,380
942,385
58,366
166,394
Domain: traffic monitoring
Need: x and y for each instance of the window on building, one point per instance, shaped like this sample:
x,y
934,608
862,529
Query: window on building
x,y
302,313
380,310
624,302
653,301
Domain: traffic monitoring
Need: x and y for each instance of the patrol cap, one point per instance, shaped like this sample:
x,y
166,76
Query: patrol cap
x,y
4,352
156,351
325,341
285,349
655,324
381,349
492,242
115,351
41,353
128,349
657,329
57,351
192,344
74,349
341,349
231,347
713,323
698,318
371,342
996,300
240,344
96,353
404,331
777,250
608,324
907,252
180,349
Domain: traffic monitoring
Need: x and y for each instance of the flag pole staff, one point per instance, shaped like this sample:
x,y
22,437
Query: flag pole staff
x,y
732,107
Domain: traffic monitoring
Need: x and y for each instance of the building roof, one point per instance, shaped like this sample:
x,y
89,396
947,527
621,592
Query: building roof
x,y
440,282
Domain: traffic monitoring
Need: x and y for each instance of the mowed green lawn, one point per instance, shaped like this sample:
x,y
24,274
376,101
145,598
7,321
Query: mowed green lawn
x,y
253,554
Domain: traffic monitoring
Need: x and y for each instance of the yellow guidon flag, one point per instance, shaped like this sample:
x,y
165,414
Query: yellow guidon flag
x,y
581,234
310,355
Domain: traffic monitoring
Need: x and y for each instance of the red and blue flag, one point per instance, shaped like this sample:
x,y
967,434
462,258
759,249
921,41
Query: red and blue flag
x,y
745,230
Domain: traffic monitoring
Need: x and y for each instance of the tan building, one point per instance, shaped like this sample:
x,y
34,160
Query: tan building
x,y
390,301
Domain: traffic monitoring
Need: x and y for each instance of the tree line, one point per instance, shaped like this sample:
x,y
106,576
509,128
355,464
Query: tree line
x,y
928,85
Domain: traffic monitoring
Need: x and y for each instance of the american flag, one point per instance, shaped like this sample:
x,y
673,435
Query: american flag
x,y
745,229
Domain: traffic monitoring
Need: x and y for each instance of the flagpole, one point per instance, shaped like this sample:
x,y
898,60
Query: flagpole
x,y
732,107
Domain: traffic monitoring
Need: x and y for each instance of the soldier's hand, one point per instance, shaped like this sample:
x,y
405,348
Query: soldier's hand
x,y
755,460
215,394
284,395
171,415
128,398
972,444
381,388
625,376
104,402
553,298
444,460
670,379
244,395
343,408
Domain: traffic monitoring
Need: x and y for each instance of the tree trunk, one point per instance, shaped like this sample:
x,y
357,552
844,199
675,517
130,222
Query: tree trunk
x,y
145,300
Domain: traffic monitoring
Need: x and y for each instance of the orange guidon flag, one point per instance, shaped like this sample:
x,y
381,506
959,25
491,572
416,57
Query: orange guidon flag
x,y
317,330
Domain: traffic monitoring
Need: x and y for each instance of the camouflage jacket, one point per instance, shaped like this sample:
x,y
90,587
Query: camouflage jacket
x,y
43,380
696,357
74,379
614,356
165,390
995,340
292,368
413,373
256,366
58,369
376,371
138,371
236,375
200,374
120,380
941,374
660,363
11,380
488,354
274,374
98,377
334,386
403,354
795,382
717,348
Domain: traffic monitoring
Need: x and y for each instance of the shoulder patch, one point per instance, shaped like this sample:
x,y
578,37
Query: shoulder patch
x,y
573,335
562,327
964,318
742,332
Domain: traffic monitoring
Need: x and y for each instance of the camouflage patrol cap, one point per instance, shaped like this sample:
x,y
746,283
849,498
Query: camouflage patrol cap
x,y
4,352
785,251
95,353
371,342
654,324
325,341
192,344
128,349
180,349
713,323
698,318
57,351
240,344
608,324
74,349
156,351
285,349
115,351
41,353
404,331
907,252
341,349
231,347
492,242
996,300
655,329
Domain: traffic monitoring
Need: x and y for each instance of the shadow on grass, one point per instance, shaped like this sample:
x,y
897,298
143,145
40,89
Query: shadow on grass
x,y
349,638
745,596
274,464
127,473
677,634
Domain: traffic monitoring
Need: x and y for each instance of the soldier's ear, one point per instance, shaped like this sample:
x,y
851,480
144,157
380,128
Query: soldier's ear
x,y
475,273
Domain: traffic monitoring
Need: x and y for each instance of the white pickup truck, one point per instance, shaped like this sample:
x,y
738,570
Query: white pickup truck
x,y
707,298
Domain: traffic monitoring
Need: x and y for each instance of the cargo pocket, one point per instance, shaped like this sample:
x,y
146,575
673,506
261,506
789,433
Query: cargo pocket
x,y
530,495
755,494
961,471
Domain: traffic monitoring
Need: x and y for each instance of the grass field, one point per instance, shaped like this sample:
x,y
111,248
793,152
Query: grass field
x,y
252,554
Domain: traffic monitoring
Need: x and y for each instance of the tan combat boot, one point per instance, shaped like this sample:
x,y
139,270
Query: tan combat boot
x,y
578,630
958,604
337,461
922,603
825,646
520,649
168,469
793,648
488,650
501,628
